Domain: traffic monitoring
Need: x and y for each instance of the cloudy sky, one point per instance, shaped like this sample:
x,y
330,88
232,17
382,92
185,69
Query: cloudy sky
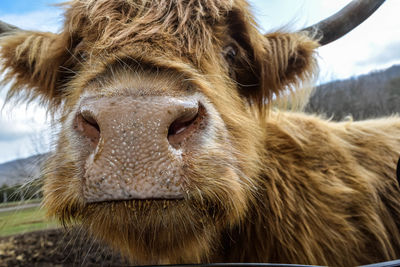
x,y
375,44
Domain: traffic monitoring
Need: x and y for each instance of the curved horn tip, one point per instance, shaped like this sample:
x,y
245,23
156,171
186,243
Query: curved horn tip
x,y
344,21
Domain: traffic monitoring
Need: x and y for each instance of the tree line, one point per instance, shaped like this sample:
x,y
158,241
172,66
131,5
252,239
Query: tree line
x,y
368,96
20,192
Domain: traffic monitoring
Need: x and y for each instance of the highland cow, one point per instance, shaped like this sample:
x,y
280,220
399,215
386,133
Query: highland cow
x,y
170,152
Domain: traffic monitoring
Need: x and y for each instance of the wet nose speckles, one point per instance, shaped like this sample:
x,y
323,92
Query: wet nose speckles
x,y
137,161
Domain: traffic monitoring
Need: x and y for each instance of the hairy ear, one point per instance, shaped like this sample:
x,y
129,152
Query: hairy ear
x,y
36,65
267,65
286,62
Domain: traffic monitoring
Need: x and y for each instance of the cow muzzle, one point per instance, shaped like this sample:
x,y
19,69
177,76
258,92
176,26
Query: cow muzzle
x,y
138,145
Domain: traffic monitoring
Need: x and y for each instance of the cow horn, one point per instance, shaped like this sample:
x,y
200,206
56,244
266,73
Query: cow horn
x,y
344,21
6,28
325,31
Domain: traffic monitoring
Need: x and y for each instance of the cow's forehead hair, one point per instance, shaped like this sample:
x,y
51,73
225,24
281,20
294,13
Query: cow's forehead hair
x,y
188,26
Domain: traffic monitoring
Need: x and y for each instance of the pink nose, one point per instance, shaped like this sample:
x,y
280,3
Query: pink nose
x,y
137,145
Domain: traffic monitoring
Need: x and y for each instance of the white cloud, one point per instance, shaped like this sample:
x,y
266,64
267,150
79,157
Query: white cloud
x,y
25,130
25,146
43,20
357,52
354,54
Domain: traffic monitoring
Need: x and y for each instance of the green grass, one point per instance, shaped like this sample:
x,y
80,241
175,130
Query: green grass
x,y
24,220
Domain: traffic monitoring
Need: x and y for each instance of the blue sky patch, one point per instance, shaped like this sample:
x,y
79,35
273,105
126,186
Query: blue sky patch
x,y
24,6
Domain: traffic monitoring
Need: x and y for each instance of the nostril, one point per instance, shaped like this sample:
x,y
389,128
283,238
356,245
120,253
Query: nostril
x,y
89,119
181,124
184,126
86,124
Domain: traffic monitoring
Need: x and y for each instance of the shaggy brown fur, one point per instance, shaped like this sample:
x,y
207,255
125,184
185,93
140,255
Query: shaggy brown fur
x,y
277,187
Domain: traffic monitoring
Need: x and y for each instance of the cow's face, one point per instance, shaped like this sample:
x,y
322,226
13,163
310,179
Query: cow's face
x,y
161,140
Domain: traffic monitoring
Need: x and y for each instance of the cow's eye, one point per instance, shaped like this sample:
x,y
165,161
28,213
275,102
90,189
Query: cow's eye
x,y
230,52
80,51
82,56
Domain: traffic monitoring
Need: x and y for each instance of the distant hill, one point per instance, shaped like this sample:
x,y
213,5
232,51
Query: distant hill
x,y
367,96
21,170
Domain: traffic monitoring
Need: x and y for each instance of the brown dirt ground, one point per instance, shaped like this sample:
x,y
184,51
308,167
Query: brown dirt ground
x,y
56,247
